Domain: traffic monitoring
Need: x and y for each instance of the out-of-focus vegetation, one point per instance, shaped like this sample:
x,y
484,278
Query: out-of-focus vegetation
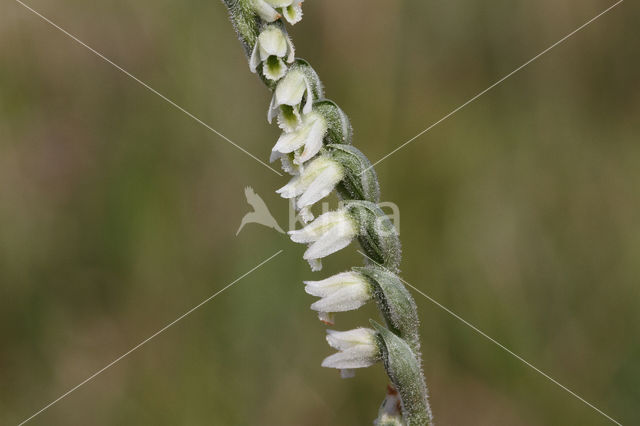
x,y
118,213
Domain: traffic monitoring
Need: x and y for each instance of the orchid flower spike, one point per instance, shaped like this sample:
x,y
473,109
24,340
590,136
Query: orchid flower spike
x,y
357,348
329,233
315,182
271,10
342,292
316,148
273,47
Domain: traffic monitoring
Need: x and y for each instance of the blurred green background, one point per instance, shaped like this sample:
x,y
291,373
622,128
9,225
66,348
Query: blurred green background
x,y
118,213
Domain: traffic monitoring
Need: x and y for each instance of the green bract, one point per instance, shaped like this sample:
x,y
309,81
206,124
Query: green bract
x,y
395,303
360,181
339,126
377,235
405,373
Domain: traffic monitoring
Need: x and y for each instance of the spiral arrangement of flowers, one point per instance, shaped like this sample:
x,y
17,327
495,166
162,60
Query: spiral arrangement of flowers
x,y
315,147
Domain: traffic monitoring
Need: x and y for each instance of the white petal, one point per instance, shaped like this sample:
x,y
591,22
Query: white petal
x,y
343,340
274,156
273,109
314,169
254,61
321,186
324,224
292,189
291,88
272,41
304,235
326,245
289,142
308,105
338,236
357,357
345,299
265,11
291,56
329,285
314,139
279,3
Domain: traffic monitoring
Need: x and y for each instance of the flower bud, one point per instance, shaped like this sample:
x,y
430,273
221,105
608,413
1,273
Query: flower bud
x,y
357,348
327,234
273,47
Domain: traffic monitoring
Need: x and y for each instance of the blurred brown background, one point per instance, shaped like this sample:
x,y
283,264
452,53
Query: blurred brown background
x,y
118,212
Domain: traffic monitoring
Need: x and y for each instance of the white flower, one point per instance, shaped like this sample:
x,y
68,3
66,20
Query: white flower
x,y
327,234
289,94
271,10
293,12
342,292
272,48
315,182
358,349
309,135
